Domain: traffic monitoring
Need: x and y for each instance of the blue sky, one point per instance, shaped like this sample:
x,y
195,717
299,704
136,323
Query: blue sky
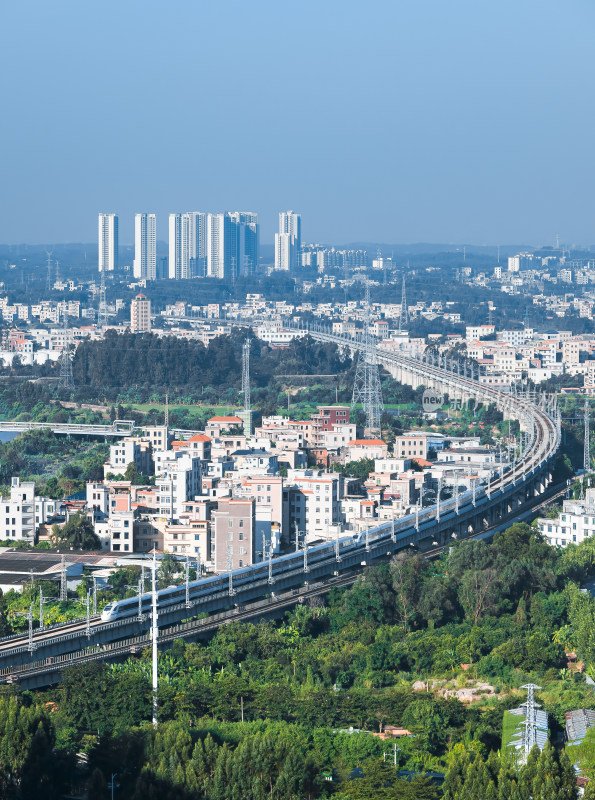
x,y
393,121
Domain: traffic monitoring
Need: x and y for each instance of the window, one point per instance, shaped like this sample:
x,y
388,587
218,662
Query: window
x,y
230,523
230,537
241,523
241,537
240,563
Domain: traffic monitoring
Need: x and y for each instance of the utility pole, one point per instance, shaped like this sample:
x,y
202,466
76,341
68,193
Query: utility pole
x,y
231,591
587,448
337,546
305,548
31,647
187,576
88,625
271,579
154,639
63,583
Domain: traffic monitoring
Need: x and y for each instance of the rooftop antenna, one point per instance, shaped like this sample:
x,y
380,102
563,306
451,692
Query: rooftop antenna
x,y
366,387
66,377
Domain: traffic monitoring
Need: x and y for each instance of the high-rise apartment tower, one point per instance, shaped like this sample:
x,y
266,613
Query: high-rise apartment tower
x,y
288,242
232,244
145,246
187,245
108,243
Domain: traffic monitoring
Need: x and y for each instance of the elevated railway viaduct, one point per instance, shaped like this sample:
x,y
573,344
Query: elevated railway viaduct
x,y
39,657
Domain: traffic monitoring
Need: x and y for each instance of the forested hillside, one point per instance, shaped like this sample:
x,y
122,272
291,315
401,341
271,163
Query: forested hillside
x,y
122,360
264,711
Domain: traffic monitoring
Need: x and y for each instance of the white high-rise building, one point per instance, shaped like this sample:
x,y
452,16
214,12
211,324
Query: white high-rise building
x,y
187,244
232,243
108,242
288,242
145,246
216,245
246,238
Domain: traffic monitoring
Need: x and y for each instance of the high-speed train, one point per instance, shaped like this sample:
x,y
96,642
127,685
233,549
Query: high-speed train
x,y
289,568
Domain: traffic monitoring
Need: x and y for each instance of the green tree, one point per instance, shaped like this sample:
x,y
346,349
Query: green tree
x,y
77,533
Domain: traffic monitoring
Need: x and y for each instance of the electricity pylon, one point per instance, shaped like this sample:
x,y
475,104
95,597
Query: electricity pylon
x,y
366,387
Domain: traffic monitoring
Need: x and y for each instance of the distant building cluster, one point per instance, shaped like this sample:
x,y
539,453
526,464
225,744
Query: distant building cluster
x,y
223,245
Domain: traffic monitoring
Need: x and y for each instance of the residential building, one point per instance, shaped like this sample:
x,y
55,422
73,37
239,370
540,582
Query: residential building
x,y
365,448
108,243
288,241
473,332
232,244
145,247
314,499
126,451
17,512
187,245
575,523
245,242
233,531
140,314
179,480
410,445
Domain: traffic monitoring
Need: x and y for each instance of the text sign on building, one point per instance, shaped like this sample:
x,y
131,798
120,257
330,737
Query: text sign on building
x,y
432,400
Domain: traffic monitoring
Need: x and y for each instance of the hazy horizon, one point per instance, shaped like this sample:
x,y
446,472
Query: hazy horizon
x,y
460,122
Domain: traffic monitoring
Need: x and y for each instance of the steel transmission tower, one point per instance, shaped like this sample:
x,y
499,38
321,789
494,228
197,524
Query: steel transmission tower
x,y
530,722
102,314
246,414
404,315
49,274
366,387
246,374
587,450
66,377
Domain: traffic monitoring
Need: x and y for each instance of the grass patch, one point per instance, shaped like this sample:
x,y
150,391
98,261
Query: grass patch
x,y
189,407
510,725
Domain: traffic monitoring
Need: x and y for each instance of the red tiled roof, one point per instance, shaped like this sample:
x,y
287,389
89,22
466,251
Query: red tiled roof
x,y
225,419
202,437
371,442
